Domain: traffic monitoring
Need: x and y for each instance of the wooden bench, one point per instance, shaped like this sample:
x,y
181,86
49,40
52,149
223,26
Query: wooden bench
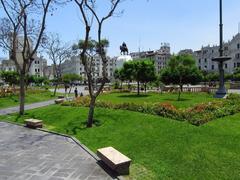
x,y
115,160
33,123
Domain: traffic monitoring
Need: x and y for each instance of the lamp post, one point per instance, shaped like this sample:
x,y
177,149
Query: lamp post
x,y
221,92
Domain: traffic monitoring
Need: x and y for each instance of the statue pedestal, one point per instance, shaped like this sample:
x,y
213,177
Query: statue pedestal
x,y
121,60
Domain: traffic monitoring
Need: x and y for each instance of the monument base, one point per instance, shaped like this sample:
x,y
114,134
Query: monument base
x,y
221,93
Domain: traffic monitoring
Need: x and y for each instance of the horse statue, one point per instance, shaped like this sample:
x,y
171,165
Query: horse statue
x,y
124,49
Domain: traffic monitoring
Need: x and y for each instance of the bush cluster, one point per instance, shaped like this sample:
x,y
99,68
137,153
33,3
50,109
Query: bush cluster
x,y
196,115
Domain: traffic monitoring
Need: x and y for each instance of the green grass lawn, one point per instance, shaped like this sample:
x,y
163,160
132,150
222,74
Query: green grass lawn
x,y
30,98
160,148
187,99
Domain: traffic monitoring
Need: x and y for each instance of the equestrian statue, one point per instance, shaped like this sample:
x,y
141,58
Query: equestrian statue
x,y
124,49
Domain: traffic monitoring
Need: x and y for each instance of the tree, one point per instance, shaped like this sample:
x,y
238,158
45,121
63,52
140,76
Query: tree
x,y
57,52
10,77
128,72
21,34
90,15
70,79
181,70
144,72
119,75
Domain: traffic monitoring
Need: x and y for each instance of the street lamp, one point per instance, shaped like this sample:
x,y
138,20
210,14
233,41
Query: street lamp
x,y
221,92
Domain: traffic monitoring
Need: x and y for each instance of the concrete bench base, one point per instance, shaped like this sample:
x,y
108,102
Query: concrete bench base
x,y
115,160
33,123
59,101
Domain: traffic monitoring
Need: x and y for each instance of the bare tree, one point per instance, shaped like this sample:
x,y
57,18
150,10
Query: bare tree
x,y
57,52
22,32
90,15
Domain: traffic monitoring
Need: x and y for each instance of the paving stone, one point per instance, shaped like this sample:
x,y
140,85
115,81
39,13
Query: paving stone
x,y
27,154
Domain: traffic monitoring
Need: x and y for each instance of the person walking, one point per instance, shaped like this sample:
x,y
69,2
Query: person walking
x,y
76,92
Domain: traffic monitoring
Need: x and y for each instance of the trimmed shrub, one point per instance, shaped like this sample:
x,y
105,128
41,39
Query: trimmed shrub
x,y
196,115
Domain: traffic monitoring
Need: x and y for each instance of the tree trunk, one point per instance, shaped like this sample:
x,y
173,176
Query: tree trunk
x,y
138,91
179,92
91,112
145,87
22,94
70,90
55,89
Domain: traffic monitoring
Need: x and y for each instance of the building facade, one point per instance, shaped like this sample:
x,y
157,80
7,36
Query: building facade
x,y
160,57
206,54
75,66
37,67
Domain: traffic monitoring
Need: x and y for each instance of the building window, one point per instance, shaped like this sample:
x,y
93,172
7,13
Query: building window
x,y
199,68
205,67
205,60
237,56
212,67
35,70
226,66
234,65
238,64
199,61
238,46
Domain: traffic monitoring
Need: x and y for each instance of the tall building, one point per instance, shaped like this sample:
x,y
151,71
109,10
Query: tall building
x,y
75,66
160,57
37,67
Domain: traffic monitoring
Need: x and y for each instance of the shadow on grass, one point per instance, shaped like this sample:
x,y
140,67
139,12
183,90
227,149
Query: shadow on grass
x,y
176,100
73,127
134,96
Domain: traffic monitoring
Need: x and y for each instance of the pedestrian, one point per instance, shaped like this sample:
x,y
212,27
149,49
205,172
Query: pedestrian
x,y
76,92
81,94
66,87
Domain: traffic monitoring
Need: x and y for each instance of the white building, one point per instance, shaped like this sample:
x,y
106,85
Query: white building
x,y
37,67
160,57
206,54
75,66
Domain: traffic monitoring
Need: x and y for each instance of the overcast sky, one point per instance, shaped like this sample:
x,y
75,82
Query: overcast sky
x,y
146,24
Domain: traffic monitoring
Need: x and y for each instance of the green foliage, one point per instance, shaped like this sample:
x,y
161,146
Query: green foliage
x,y
181,70
142,71
213,76
71,78
10,77
92,45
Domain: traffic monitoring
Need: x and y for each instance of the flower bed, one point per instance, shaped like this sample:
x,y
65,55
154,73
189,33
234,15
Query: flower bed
x,y
196,115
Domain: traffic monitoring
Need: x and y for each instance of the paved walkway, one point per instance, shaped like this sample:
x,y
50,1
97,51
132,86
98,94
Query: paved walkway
x,y
27,154
27,107
81,89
